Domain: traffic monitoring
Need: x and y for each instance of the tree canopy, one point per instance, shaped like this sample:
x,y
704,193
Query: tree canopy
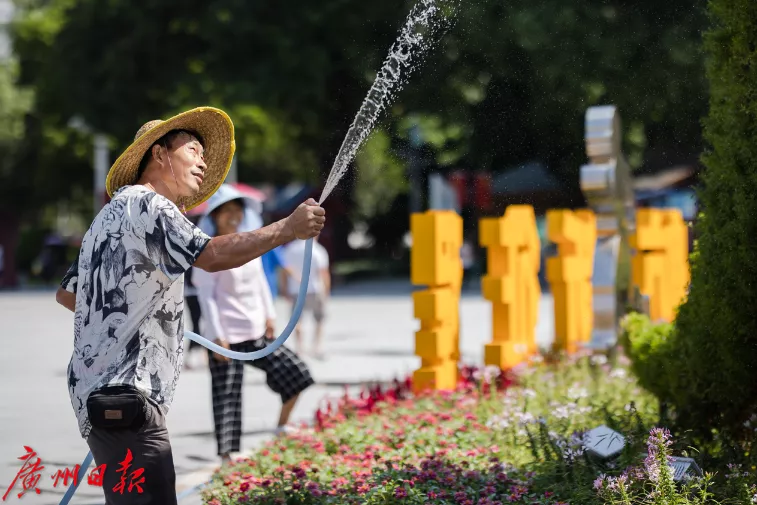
x,y
509,83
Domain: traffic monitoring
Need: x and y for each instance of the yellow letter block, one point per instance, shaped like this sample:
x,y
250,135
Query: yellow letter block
x,y
435,262
569,275
660,264
511,284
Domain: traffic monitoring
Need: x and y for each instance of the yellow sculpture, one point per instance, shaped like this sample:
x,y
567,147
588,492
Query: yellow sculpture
x,y
569,275
660,264
435,262
511,284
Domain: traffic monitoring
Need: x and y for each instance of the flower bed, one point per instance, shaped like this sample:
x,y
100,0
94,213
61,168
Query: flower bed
x,y
520,442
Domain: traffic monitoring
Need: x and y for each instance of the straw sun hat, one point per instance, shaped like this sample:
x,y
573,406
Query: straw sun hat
x,y
217,132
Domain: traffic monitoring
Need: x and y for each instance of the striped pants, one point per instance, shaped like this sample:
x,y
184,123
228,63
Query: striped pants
x,y
286,375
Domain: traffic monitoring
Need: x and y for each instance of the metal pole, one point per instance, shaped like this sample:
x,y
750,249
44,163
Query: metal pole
x,y
101,170
231,178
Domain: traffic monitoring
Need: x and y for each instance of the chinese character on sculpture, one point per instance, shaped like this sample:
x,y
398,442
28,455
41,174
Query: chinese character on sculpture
x,y
135,478
29,473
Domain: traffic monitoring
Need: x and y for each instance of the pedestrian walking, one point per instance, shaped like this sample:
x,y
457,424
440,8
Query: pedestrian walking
x,y
126,289
240,316
319,288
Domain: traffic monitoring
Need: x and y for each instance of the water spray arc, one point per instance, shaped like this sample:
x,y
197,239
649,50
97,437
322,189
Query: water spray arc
x,y
411,44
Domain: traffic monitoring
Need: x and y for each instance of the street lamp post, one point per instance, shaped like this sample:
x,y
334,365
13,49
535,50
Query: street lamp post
x,y
231,178
101,169
99,160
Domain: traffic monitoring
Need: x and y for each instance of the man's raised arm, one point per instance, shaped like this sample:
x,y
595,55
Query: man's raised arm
x,y
236,249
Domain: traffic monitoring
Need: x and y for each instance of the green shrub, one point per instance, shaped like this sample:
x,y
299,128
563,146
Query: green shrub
x,y
714,349
650,348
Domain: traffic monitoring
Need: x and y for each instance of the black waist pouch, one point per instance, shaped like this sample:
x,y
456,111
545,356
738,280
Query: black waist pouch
x,y
117,407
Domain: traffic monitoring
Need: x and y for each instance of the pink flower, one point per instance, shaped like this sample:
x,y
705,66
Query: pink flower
x,y
599,482
363,489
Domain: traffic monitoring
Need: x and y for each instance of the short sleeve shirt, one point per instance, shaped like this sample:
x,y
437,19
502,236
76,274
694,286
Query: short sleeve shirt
x,y
129,286
294,257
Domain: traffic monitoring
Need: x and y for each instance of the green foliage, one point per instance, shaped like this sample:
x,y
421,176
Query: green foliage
x,y
380,177
15,102
474,445
272,152
714,348
655,484
509,83
650,347
524,446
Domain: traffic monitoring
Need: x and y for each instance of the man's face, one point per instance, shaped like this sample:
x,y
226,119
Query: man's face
x,y
186,156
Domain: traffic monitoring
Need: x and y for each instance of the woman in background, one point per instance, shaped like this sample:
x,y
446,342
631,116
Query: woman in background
x,y
238,314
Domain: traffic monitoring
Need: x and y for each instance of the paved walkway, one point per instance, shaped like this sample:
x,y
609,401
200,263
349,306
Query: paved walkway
x,y
369,337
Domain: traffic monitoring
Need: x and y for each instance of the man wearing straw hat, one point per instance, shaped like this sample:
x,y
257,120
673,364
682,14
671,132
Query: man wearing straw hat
x,y
126,290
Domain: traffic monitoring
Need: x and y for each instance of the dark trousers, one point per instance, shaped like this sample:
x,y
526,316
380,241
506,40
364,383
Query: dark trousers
x,y
150,451
193,304
286,375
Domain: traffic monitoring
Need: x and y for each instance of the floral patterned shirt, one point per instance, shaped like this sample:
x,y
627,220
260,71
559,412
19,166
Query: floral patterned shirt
x,y
129,284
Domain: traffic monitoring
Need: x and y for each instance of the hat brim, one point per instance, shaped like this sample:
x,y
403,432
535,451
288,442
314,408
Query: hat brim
x,y
247,201
217,131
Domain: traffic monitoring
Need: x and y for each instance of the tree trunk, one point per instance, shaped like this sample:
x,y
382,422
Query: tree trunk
x,y
10,225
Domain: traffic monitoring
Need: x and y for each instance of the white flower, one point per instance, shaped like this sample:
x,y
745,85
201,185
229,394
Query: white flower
x,y
529,393
599,359
618,373
576,393
525,418
561,412
498,422
490,373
